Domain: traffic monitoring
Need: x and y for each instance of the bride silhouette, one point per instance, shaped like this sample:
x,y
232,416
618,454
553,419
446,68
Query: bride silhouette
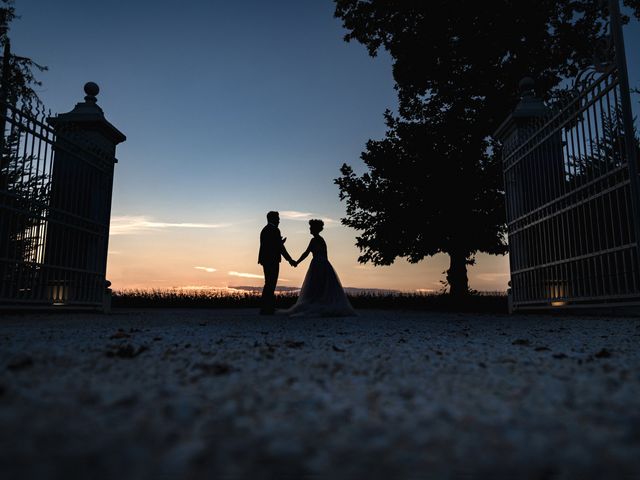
x,y
321,293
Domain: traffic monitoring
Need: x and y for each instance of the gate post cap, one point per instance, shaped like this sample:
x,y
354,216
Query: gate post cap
x,y
91,89
528,107
527,86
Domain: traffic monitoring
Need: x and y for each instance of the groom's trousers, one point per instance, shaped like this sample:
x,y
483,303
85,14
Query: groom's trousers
x,y
271,271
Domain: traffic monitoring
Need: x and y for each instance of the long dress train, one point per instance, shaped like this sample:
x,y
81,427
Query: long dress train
x,y
321,293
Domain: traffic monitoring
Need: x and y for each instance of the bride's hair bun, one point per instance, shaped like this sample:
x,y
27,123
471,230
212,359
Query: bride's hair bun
x,y
316,224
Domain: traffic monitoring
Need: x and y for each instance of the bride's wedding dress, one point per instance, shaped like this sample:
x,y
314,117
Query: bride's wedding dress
x,y
321,293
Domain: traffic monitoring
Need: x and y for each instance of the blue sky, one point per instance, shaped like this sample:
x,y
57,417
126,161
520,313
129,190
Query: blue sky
x,y
231,109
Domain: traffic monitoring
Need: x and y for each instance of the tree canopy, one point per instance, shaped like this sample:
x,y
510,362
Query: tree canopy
x,y
443,47
21,81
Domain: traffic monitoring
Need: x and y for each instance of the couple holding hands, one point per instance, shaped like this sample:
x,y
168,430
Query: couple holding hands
x,y
321,293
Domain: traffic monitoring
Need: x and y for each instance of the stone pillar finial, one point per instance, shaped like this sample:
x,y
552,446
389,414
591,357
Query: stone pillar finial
x,y
527,87
91,89
524,116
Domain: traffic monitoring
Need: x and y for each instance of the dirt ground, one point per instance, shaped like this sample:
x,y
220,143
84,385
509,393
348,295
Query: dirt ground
x,y
189,394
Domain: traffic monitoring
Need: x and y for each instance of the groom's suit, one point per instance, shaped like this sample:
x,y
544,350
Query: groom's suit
x,y
271,250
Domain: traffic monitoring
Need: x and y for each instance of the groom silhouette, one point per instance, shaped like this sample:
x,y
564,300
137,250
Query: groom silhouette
x,y
271,249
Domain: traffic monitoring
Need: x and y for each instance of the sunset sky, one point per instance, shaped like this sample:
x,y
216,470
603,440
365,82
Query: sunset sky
x,y
230,109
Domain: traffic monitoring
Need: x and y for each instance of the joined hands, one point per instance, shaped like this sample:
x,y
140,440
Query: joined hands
x,y
293,263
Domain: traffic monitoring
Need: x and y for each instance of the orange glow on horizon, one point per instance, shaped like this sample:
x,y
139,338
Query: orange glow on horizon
x,y
216,255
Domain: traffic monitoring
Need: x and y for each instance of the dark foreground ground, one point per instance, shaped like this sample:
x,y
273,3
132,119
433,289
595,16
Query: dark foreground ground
x,y
190,394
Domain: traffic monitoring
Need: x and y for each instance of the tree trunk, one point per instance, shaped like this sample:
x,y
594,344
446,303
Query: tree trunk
x,y
457,274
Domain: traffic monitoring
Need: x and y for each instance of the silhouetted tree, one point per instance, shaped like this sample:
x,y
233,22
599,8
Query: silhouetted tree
x,y
18,72
455,64
26,198
420,197
24,189
606,152
17,80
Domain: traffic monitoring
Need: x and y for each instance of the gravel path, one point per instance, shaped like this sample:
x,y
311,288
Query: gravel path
x,y
228,394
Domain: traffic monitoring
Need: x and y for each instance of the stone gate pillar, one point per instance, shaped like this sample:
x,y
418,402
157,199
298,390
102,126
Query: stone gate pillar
x,y
534,175
80,202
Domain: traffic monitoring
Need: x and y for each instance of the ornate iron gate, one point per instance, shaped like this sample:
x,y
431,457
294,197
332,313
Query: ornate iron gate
x,y
571,187
571,219
56,177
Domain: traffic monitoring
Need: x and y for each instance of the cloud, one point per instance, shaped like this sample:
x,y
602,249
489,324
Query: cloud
x,y
130,225
252,275
245,275
206,269
425,290
492,277
304,216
